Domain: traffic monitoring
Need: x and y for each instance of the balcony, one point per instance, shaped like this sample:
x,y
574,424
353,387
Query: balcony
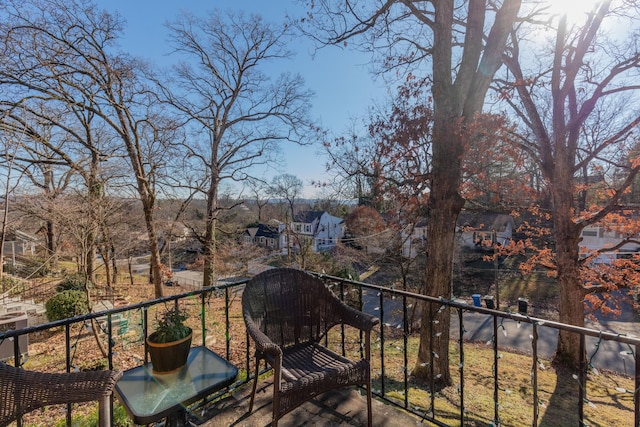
x,y
486,345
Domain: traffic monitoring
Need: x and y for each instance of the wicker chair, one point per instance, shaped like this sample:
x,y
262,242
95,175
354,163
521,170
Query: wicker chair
x,y
23,391
287,312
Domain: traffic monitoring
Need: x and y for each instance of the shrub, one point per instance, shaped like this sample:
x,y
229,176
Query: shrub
x,y
35,267
9,283
66,304
72,282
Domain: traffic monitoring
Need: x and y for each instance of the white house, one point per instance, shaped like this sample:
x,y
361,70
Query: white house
x,y
598,237
482,229
317,229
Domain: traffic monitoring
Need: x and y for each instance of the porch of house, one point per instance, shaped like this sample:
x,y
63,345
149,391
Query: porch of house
x,y
342,407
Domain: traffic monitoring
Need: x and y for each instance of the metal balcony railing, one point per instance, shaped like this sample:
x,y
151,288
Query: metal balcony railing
x,y
217,311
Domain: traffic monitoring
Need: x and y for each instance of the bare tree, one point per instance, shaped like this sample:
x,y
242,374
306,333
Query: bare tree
x,y
287,188
578,117
62,53
9,147
235,114
461,43
258,190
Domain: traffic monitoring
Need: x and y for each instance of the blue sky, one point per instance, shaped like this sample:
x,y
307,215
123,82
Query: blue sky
x,y
340,78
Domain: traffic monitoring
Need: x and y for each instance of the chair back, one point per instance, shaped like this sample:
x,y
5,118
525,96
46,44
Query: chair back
x,y
289,306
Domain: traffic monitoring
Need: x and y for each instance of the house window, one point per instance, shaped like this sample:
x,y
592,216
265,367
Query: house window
x,y
590,233
297,228
307,228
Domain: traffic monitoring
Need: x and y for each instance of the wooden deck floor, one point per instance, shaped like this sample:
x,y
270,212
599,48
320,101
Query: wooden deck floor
x,y
344,407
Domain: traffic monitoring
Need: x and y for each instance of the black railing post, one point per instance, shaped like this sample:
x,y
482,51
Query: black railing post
x,y
361,307
636,390
405,337
344,350
461,366
432,379
110,341
110,356
496,383
67,339
203,320
582,380
227,330
534,373
17,356
145,331
381,302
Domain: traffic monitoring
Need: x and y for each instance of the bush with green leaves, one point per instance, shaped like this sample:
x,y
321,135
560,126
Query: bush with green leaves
x,y
66,304
72,282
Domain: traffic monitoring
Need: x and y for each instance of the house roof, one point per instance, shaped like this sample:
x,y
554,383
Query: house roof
x,y
307,217
13,235
486,221
263,230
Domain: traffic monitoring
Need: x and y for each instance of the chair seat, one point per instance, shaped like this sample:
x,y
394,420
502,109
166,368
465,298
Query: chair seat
x,y
314,366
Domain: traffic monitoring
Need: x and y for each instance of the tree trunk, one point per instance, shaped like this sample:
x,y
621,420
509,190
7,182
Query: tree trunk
x,y
114,263
210,255
571,310
210,235
129,262
90,257
95,198
156,273
107,268
3,229
444,206
456,101
571,298
51,244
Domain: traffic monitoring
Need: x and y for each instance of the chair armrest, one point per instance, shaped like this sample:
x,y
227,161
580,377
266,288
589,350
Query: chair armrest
x,y
264,344
356,318
266,349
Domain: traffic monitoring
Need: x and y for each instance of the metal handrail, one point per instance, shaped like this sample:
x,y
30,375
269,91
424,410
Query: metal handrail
x,y
382,295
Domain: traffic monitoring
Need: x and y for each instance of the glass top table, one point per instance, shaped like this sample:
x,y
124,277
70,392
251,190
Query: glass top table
x,y
150,397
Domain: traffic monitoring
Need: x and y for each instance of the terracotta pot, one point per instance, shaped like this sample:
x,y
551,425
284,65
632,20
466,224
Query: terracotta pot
x,y
168,357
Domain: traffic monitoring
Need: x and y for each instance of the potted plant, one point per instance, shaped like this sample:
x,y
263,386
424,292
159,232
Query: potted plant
x,y
170,342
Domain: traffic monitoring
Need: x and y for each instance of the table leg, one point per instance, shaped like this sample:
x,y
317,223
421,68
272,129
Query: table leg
x,y
178,419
